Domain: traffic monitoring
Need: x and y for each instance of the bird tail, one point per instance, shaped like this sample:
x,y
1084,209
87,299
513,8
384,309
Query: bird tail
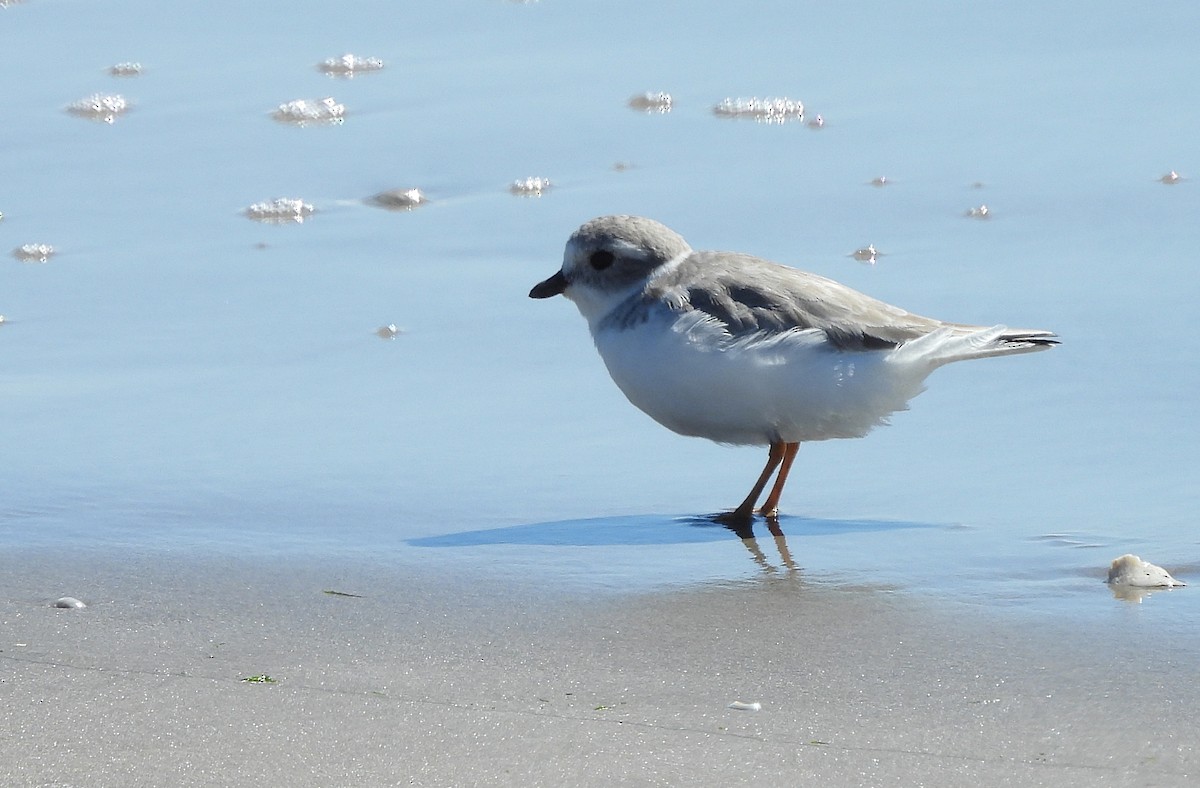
x,y
958,343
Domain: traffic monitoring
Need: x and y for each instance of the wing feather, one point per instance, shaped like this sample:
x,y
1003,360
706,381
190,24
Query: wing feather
x,y
750,295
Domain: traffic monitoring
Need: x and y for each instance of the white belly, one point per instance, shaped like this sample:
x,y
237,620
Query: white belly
x,y
687,374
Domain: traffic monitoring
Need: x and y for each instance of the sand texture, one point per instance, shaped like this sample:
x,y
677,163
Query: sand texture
x,y
451,681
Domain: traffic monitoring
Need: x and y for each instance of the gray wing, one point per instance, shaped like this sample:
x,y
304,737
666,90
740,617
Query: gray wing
x,y
750,295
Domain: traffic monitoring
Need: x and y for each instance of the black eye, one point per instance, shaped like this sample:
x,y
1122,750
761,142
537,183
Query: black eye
x,y
601,259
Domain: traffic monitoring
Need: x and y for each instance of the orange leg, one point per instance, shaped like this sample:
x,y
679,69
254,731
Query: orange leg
x,y
770,507
774,457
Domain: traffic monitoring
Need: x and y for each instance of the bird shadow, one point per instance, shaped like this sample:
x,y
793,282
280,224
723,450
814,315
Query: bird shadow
x,y
652,529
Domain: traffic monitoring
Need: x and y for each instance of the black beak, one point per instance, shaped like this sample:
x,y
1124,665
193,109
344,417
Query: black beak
x,y
551,287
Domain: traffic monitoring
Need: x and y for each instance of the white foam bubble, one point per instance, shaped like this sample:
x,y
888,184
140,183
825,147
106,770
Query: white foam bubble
x,y
303,112
285,210
529,187
400,199
349,66
125,70
867,254
764,110
390,331
33,253
651,102
100,107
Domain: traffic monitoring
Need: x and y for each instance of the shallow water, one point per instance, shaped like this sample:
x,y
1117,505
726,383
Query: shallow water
x,y
178,377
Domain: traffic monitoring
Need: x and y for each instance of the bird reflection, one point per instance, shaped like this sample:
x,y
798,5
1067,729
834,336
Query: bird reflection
x,y
743,528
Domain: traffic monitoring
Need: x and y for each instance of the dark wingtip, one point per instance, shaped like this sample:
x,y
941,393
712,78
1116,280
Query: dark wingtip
x,y
1038,340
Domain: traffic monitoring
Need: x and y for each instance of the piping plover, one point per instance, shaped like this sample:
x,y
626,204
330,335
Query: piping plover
x,y
744,351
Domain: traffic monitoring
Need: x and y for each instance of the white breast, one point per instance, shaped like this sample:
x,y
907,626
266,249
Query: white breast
x,y
688,374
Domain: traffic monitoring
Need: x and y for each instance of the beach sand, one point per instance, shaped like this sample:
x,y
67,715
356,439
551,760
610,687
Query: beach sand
x,y
441,679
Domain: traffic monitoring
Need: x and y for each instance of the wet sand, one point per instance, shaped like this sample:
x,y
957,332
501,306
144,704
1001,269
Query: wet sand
x,y
436,679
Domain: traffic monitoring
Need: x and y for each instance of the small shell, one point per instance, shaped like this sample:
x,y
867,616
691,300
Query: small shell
x,y
738,705
69,603
1129,570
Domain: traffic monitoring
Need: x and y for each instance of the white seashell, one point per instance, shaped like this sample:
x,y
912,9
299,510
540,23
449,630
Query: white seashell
x,y
738,705
69,603
1129,570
